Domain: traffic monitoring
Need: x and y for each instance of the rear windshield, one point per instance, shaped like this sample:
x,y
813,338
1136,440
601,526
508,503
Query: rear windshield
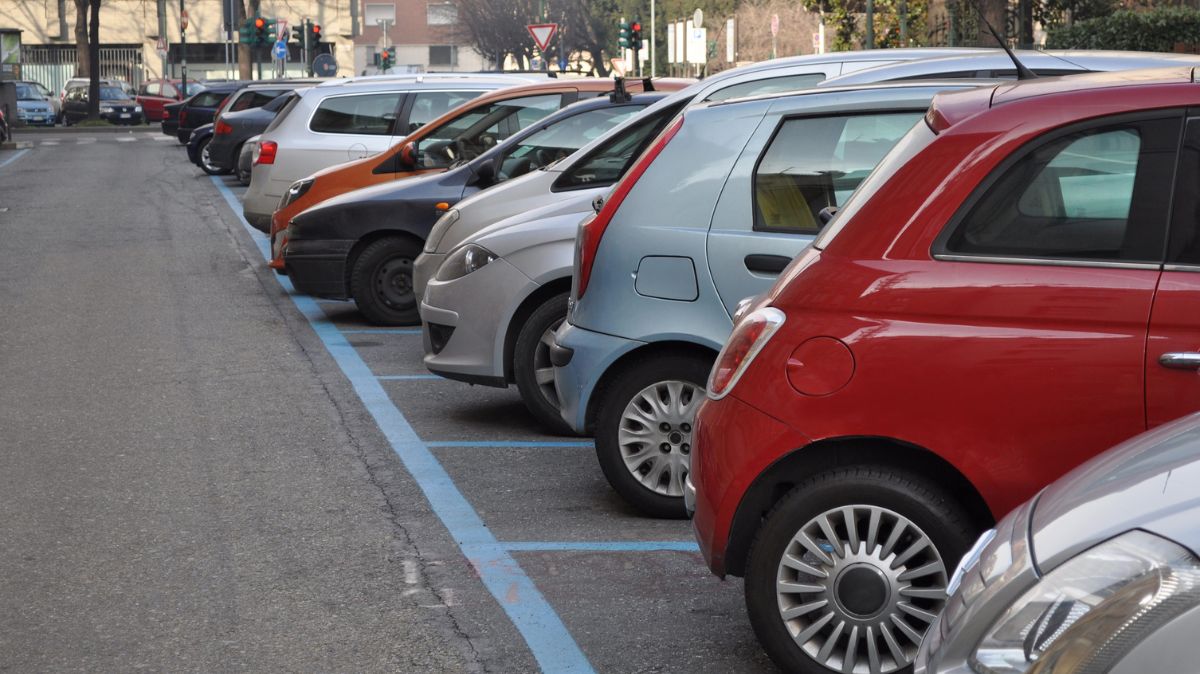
x,y
207,99
276,104
287,108
916,140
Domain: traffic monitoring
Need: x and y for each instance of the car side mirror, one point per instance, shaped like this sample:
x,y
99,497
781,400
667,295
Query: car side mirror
x,y
827,214
407,159
485,174
597,204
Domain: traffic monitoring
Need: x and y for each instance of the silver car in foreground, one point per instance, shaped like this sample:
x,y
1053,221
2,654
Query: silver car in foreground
x,y
1098,573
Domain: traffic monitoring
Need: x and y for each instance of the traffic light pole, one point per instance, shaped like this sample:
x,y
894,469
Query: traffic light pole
x,y
182,49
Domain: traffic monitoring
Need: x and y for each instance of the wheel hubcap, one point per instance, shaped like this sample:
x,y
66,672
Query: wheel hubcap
x,y
393,283
543,369
656,434
858,586
204,157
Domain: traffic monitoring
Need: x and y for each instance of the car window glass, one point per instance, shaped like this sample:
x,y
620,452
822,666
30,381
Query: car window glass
x,y
609,162
1075,196
278,102
771,85
1184,245
429,105
112,94
482,128
366,114
207,99
560,140
286,110
814,163
44,91
27,92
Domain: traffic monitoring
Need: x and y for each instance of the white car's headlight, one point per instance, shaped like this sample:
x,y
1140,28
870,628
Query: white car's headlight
x,y
463,261
1086,614
439,230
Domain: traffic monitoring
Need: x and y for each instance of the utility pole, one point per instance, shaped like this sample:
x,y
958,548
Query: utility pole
x,y
162,32
183,24
653,38
870,38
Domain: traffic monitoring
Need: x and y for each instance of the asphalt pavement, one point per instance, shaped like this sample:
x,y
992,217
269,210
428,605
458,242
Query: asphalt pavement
x,y
201,471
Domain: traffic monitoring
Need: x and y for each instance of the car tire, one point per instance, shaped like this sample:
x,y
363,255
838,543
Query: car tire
x,y
205,164
382,283
644,430
531,367
811,524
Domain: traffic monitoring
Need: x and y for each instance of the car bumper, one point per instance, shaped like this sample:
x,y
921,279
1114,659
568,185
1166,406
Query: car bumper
x,y
170,127
118,118
733,443
258,205
318,267
466,322
580,358
221,153
44,119
424,269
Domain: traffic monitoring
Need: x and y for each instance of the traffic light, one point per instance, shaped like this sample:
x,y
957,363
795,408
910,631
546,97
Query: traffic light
x,y
388,58
260,30
298,34
623,35
314,32
247,33
635,35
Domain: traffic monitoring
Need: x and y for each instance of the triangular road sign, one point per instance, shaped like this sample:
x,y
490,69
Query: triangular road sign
x,y
542,34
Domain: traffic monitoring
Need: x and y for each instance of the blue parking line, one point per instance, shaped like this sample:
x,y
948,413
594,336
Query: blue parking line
x,y
18,155
544,632
408,377
601,546
502,443
381,331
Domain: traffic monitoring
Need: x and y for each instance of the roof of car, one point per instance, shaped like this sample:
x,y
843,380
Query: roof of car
x,y
948,83
998,60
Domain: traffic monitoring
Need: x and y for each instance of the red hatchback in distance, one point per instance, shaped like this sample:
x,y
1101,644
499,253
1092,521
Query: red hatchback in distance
x,y
1014,289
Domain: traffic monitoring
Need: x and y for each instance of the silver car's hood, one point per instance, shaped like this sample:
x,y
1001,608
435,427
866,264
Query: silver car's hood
x,y
555,221
509,198
1151,482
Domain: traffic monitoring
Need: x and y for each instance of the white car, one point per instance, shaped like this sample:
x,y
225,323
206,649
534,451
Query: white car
x,y
340,121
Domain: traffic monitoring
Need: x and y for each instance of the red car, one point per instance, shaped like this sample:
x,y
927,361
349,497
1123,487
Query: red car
x,y
154,94
1013,290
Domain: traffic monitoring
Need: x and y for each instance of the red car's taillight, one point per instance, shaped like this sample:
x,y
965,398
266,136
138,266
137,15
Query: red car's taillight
x,y
748,338
592,230
222,129
265,154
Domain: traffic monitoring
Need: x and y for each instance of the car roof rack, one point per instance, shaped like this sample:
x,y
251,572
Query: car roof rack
x,y
620,94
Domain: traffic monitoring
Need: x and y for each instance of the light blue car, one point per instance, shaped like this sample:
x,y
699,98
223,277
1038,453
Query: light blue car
x,y
714,210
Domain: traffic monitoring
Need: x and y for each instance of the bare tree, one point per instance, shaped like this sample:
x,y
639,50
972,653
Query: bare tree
x,y
82,61
93,49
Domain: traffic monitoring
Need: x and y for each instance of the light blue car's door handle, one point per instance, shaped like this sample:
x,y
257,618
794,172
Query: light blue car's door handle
x,y
1180,360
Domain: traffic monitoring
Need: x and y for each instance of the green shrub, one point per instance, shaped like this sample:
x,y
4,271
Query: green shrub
x,y
1155,30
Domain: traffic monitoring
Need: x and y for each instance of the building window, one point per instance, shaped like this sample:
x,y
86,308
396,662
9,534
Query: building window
x,y
377,12
443,55
441,14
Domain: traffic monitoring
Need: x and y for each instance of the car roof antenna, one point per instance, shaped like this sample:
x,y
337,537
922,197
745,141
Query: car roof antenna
x,y
1023,73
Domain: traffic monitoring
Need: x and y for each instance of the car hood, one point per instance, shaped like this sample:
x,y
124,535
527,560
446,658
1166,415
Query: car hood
x,y
450,182
1148,483
556,221
483,209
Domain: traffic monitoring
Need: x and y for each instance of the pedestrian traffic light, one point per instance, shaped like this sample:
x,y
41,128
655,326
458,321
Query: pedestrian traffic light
x,y
260,30
623,35
388,58
635,34
314,32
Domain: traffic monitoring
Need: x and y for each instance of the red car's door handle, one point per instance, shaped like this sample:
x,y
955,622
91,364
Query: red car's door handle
x,y
1182,360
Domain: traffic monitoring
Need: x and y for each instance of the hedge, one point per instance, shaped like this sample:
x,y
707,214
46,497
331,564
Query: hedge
x,y
1160,29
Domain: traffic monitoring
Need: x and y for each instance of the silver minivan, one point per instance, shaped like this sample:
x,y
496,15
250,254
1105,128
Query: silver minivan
x,y
340,121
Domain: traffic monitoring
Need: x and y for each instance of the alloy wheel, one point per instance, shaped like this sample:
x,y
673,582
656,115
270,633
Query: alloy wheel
x,y
543,369
205,159
857,588
656,434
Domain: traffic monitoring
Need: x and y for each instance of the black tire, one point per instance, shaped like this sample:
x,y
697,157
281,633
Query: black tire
x,y
616,397
943,521
205,165
381,282
531,356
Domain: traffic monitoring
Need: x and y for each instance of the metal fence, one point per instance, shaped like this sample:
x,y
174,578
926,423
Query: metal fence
x,y
54,65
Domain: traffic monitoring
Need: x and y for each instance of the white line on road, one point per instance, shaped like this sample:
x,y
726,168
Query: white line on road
x,y
125,139
18,155
411,571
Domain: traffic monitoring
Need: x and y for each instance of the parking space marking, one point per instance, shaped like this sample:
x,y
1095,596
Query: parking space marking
x,y
507,444
18,155
548,639
601,546
382,331
406,377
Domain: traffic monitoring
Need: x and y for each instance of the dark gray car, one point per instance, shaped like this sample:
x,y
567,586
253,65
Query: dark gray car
x,y
1098,573
239,126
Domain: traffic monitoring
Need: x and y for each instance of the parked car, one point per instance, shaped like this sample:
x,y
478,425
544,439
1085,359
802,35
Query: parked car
x,y
362,244
197,150
170,119
437,130
5,132
244,100
85,82
246,159
202,108
1008,294
116,106
235,127
154,94
1098,570
34,105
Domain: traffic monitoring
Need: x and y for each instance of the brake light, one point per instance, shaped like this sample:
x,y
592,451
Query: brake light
x,y
222,128
590,232
748,338
182,117
265,154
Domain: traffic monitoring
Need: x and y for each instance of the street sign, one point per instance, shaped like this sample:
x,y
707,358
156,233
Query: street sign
x,y
542,34
774,25
698,18
279,51
324,66
161,46
183,20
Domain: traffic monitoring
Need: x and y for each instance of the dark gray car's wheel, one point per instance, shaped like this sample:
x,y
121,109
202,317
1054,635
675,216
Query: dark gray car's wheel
x,y
531,365
644,430
206,160
850,568
382,283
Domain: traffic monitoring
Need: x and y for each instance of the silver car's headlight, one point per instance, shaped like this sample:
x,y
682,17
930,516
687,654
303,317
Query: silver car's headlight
x,y
297,190
463,261
137,108
1089,612
439,230
106,108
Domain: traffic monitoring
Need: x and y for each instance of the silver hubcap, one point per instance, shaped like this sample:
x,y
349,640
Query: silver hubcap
x,y
656,435
858,587
204,158
543,369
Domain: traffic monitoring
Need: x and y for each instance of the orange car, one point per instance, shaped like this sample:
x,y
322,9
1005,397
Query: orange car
x,y
458,135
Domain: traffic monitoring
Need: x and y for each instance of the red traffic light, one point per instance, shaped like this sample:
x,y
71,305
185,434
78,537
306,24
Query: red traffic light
x,y
636,27
259,22
316,30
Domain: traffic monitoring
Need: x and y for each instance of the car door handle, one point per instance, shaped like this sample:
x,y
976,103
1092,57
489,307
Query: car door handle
x,y
767,264
1181,360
